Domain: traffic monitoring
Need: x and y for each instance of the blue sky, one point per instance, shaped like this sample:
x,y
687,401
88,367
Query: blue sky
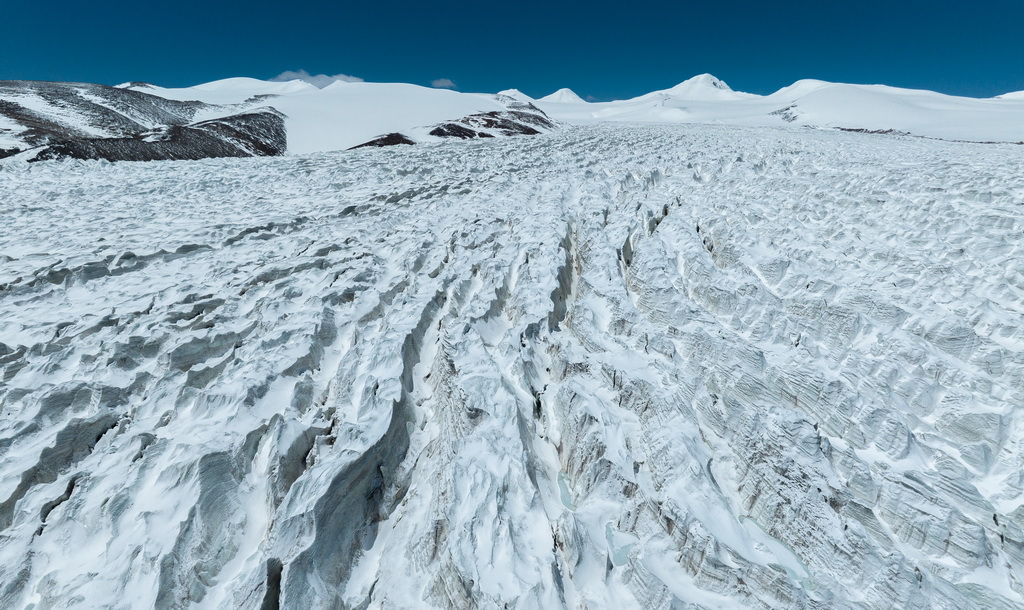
x,y
602,49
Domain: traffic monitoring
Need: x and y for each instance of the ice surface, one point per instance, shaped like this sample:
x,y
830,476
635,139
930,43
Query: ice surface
x,y
625,366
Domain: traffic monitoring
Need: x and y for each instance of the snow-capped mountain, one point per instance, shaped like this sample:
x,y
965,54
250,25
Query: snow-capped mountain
x,y
344,115
242,117
563,96
701,87
245,116
811,103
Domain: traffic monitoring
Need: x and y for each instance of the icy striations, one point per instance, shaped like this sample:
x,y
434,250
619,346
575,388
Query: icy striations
x,y
610,366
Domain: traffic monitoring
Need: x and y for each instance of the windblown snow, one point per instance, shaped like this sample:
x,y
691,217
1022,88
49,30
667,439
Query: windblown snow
x,y
622,366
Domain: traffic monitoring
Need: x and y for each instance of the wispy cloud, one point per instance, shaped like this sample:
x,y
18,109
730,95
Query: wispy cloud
x,y
443,83
318,80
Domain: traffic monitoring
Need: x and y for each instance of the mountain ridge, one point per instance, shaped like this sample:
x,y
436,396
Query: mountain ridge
x,y
72,116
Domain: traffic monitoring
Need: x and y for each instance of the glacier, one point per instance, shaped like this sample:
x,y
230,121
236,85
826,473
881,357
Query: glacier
x,y
614,365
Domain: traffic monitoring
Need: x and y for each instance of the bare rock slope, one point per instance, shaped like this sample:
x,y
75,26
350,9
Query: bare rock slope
x,y
46,120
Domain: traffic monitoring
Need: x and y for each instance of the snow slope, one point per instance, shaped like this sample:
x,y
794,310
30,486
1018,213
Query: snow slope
x,y
517,95
563,96
617,366
706,99
342,115
48,120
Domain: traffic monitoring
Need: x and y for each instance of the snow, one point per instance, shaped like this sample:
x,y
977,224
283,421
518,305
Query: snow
x,y
347,114
342,114
703,87
9,130
1016,95
323,120
563,96
516,94
52,111
616,365
706,99
230,90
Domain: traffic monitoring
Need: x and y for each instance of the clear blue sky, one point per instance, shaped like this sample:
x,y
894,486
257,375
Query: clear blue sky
x,y
602,48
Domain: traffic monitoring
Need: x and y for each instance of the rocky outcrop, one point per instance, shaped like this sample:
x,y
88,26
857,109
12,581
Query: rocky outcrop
x,y
391,139
521,119
255,134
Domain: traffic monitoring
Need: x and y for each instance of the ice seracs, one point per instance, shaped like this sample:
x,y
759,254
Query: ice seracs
x,y
619,366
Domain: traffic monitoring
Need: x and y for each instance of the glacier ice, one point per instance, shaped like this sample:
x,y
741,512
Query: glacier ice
x,y
670,366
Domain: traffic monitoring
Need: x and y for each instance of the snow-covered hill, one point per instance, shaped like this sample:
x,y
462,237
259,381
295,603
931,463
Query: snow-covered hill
x,y
245,116
563,96
877,108
617,366
241,117
344,115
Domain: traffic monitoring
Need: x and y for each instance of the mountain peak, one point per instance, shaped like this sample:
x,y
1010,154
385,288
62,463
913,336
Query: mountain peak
x,y
516,94
563,95
700,83
705,80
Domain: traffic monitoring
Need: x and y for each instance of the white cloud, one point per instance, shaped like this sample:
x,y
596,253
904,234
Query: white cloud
x,y
319,80
443,83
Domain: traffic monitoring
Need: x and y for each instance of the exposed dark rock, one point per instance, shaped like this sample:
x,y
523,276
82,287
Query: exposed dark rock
x,y
521,119
255,134
881,132
453,130
788,114
391,139
87,121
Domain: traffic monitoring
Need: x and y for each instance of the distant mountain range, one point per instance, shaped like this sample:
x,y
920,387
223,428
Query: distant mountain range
x,y
811,103
239,117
